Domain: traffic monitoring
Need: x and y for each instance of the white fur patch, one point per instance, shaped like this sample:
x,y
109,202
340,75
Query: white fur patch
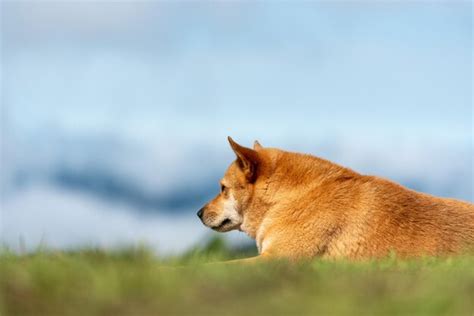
x,y
230,210
262,243
265,245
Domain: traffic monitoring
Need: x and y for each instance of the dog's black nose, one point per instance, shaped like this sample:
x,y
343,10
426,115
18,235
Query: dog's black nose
x,y
200,212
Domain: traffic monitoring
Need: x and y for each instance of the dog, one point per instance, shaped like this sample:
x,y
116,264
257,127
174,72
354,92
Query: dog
x,y
298,206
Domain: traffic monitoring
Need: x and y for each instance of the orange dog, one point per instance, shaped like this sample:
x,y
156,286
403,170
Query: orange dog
x,y
300,206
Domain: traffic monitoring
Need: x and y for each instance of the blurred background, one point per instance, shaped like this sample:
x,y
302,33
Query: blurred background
x,y
114,115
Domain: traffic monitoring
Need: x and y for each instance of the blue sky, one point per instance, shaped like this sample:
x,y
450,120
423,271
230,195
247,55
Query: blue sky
x,y
401,70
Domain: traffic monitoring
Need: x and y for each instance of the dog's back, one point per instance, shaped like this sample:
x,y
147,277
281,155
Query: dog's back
x,y
394,218
335,212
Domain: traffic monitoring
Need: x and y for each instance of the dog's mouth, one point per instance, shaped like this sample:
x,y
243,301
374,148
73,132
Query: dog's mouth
x,y
222,226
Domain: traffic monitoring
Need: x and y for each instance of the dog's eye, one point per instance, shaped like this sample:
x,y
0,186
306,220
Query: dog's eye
x,y
223,188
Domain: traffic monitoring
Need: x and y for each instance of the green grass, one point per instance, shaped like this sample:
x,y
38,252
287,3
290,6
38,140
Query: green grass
x,y
135,282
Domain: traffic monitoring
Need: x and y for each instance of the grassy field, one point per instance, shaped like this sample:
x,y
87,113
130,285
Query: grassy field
x,y
135,282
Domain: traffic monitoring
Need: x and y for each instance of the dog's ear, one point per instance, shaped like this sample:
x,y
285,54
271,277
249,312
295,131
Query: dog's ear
x,y
247,159
257,146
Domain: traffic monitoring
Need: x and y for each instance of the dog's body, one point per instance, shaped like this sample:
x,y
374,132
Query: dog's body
x,y
300,206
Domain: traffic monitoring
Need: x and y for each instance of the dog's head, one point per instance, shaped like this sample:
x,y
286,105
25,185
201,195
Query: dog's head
x,y
228,209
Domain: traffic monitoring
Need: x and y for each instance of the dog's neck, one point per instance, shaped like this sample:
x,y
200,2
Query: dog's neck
x,y
276,191
253,220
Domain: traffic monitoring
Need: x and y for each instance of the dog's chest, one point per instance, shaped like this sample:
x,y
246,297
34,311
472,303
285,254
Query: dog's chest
x,y
262,242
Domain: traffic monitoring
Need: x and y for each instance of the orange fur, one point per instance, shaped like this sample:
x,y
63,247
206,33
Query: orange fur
x,y
301,206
